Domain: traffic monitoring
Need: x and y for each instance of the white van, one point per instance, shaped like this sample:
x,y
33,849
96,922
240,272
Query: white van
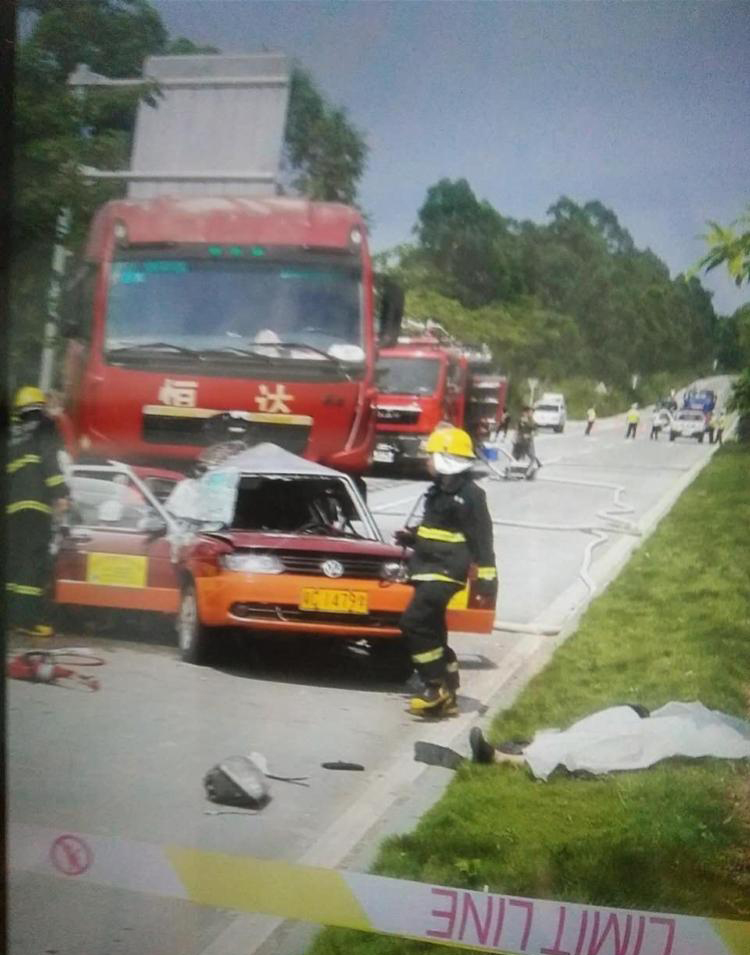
x,y
550,412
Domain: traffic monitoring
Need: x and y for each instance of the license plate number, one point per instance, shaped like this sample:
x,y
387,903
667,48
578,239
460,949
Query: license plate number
x,y
333,601
383,455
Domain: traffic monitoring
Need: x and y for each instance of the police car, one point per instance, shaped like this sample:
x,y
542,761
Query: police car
x,y
688,424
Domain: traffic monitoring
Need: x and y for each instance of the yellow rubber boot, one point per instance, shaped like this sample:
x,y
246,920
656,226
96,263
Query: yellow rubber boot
x,y
431,700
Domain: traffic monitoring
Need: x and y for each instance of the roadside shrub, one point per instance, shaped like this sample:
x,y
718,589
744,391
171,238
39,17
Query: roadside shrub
x,y
739,401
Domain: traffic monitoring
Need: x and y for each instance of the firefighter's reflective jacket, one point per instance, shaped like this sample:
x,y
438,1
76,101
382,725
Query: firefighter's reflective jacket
x,y
456,531
35,480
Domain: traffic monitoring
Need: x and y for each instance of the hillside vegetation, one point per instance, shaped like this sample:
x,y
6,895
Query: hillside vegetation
x,y
573,298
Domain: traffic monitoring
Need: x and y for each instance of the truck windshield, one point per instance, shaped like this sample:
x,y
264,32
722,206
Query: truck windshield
x,y
216,305
408,376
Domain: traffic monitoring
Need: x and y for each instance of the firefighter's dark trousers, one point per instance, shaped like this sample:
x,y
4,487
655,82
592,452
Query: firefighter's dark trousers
x,y
423,625
29,568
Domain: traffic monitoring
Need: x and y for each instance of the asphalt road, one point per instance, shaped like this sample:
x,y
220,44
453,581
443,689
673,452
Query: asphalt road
x,y
129,760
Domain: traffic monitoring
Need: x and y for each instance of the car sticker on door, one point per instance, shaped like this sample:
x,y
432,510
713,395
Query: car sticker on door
x,y
117,570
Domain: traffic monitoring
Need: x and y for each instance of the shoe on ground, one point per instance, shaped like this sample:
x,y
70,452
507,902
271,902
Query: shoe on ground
x,y
431,699
442,712
481,750
435,755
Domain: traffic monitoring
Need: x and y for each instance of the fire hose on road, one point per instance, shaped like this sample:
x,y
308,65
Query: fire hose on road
x,y
613,522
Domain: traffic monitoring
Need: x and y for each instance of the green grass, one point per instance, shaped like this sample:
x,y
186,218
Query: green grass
x,y
675,625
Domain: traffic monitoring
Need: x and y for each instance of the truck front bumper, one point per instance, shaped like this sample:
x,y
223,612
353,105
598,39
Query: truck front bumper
x,y
399,448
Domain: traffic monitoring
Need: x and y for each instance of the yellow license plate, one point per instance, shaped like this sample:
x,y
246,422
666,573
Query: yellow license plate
x,y
117,570
333,601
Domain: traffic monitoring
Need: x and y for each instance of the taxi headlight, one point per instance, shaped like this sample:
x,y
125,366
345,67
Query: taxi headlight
x,y
252,563
394,570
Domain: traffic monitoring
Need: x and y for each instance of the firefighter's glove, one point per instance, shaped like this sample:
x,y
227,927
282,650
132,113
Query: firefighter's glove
x,y
405,537
486,593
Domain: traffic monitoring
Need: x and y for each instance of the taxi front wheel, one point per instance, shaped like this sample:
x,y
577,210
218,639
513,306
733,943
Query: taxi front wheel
x,y
192,635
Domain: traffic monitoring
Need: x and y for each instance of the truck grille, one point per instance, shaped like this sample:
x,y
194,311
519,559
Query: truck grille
x,y
290,614
309,563
397,416
170,429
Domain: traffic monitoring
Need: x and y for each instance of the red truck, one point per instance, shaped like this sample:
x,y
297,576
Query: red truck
x,y
192,318
428,379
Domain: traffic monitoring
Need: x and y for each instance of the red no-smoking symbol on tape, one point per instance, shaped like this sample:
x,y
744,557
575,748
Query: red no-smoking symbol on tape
x,y
71,855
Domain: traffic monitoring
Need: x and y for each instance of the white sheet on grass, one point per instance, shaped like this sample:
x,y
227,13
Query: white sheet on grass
x,y
618,739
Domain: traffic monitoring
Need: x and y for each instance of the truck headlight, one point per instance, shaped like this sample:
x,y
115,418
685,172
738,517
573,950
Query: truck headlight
x,y
252,563
394,570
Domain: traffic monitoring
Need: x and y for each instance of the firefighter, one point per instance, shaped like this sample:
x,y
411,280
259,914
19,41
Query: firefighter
x,y
524,446
504,424
455,531
36,491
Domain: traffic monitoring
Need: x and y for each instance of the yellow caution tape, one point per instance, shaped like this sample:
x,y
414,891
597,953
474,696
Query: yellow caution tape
x,y
440,914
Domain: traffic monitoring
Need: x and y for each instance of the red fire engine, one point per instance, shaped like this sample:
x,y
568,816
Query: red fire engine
x,y
252,313
427,378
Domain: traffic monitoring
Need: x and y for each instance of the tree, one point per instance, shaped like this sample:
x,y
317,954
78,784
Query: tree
x,y
573,296
466,241
57,132
110,36
181,46
731,247
324,152
733,340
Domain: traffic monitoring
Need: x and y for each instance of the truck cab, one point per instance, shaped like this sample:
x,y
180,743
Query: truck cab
x,y
419,384
700,400
193,311
430,378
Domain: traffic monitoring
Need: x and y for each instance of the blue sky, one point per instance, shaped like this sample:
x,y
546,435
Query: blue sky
x,y
642,105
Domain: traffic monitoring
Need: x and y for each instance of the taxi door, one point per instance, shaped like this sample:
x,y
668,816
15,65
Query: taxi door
x,y
117,551
469,612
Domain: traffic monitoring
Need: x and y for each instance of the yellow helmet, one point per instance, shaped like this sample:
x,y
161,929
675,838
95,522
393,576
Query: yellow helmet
x,y
450,441
29,398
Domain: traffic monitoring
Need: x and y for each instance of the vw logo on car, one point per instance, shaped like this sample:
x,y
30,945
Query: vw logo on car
x,y
332,568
